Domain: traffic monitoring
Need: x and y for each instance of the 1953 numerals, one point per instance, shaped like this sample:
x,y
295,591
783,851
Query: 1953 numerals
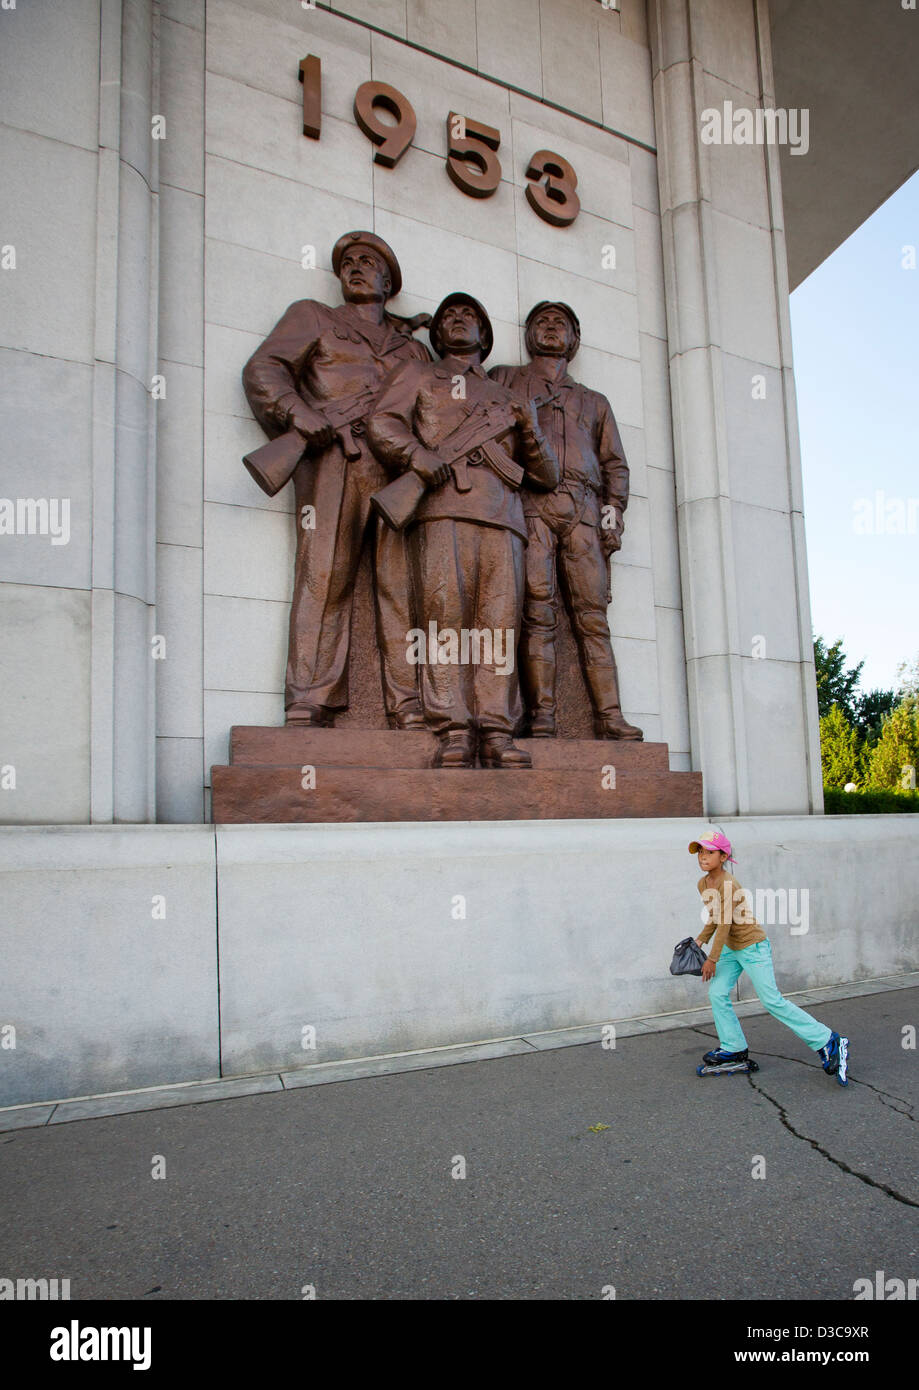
x,y
472,161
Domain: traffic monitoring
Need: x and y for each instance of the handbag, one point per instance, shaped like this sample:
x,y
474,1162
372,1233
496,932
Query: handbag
x,y
688,957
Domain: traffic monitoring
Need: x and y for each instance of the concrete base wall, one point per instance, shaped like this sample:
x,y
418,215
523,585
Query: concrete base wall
x,y
388,938
104,991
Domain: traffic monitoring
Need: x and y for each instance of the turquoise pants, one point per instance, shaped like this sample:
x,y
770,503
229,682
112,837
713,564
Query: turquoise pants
x,y
757,961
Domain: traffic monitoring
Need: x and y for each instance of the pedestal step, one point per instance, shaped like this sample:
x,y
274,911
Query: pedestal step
x,y
379,748
244,794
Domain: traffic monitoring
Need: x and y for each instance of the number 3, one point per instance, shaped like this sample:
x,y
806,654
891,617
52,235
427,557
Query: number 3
x,y
556,201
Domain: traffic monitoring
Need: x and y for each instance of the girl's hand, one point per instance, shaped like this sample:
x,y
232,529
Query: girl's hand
x,y
708,970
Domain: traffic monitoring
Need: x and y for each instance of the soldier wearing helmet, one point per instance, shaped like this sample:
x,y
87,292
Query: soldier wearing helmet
x,y
571,531
468,536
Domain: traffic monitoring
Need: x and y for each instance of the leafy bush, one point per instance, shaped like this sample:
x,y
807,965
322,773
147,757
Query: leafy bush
x,y
839,803
893,760
840,749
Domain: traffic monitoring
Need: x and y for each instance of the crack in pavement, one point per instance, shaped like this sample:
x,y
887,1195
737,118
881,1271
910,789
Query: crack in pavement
x,y
814,1143
825,1153
885,1096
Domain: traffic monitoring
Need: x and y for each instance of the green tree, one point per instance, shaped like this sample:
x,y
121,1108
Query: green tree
x,y
835,685
870,711
840,749
894,759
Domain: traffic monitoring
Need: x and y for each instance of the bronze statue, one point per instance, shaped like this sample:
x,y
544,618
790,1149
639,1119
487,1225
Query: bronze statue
x,y
310,385
573,530
463,446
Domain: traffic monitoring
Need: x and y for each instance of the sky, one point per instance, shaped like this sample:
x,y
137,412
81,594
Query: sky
x,y
855,331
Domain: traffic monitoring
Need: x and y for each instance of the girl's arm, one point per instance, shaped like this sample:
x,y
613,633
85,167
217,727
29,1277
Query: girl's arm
x,y
718,926
709,927
720,929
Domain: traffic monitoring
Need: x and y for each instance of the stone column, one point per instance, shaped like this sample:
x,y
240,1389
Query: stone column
x,y
181,487
123,546
752,694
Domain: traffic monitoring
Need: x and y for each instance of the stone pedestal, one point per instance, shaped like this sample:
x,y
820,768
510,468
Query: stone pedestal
x,y
338,775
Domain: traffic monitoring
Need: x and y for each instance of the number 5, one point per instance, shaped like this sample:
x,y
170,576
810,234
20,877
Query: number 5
x,y
469,147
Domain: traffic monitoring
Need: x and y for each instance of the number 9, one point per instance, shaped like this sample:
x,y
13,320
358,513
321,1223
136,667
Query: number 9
x,y
393,140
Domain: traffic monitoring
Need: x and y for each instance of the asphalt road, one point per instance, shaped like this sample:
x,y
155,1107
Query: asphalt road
x,y
349,1187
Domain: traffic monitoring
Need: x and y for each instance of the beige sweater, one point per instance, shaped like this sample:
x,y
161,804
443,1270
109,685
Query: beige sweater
x,y
730,919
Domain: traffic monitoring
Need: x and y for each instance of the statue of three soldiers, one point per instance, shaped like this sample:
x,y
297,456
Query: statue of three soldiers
x,y
509,488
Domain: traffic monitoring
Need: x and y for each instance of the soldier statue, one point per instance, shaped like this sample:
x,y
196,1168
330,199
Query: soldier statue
x,y
310,385
572,530
464,447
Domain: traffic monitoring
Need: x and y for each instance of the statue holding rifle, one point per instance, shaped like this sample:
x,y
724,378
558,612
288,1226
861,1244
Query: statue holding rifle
x,y
463,447
310,386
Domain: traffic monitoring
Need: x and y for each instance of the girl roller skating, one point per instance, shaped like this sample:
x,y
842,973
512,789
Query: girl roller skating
x,y
741,944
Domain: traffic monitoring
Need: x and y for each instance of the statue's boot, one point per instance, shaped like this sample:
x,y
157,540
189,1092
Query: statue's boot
x,y
499,750
541,693
310,716
411,717
456,748
603,684
542,725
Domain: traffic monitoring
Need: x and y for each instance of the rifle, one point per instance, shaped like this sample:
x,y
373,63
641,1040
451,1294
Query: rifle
x,y
273,464
475,440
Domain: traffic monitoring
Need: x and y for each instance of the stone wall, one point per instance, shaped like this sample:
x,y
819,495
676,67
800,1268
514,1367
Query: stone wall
x,y
234,192
386,938
144,260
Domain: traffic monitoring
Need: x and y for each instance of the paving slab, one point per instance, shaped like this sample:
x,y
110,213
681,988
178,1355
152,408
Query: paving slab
x,y
325,1072
593,1033
163,1098
25,1116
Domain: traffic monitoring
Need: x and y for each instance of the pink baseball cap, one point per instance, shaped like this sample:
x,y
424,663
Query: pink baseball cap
x,y
716,841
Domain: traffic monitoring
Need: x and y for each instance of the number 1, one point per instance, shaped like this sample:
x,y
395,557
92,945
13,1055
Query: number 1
x,y
311,77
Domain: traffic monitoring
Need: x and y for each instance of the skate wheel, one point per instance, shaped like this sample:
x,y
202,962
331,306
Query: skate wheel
x,y
752,1066
700,1071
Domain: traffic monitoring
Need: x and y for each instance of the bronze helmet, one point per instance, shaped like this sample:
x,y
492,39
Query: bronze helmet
x,y
566,309
461,297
